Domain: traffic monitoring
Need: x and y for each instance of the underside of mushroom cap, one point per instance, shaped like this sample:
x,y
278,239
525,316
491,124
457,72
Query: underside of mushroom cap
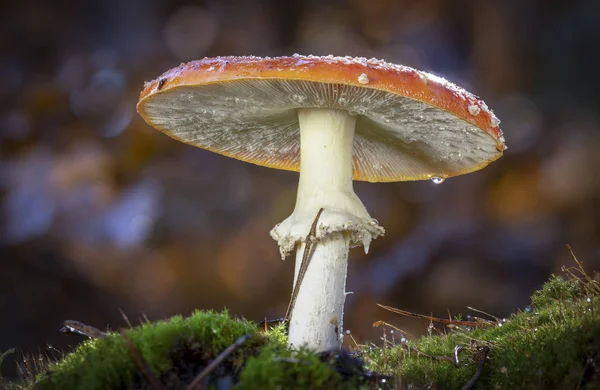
x,y
410,125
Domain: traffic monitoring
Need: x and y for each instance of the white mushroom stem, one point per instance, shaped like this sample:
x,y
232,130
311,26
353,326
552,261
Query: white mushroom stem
x,y
326,139
317,317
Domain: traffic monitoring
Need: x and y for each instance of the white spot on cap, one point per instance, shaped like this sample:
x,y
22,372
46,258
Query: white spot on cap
x,y
494,121
363,79
474,109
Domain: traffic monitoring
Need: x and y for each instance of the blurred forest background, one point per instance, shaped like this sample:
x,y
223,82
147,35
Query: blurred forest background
x,y
98,211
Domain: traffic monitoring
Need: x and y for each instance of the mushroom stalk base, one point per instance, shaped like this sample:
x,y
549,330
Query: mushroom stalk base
x,y
326,141
317,317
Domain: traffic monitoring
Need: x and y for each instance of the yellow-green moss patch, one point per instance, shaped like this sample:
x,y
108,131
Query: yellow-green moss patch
x,y
107,363
554,344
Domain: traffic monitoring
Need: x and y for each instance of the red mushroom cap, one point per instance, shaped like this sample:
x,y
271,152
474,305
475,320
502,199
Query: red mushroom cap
x,y
411,125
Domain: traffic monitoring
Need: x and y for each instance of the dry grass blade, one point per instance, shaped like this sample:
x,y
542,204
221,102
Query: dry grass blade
x,y
125,318
218,360
303,265
432,319
269,324
590,284
140,362
484,313
28,371
421,353
356,346
383,323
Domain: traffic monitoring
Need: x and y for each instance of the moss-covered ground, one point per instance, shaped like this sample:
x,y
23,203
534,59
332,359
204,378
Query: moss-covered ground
x,y
552,344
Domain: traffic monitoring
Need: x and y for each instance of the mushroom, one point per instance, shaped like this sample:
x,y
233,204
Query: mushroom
x,y
335,120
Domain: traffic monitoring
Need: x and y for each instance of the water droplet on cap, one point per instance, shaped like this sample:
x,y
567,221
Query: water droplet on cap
x,y
437,180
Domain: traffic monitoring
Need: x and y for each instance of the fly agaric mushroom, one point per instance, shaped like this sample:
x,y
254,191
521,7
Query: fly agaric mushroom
x,y
334,119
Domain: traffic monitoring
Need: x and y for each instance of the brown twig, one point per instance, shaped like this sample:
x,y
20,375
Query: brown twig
x,y
430,318
303,265
140,362
218,360
70,326
469,385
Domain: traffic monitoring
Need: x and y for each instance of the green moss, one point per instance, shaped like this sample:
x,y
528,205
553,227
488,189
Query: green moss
x,y
552,346
555,344
277,335
277,367
107,363
262,362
